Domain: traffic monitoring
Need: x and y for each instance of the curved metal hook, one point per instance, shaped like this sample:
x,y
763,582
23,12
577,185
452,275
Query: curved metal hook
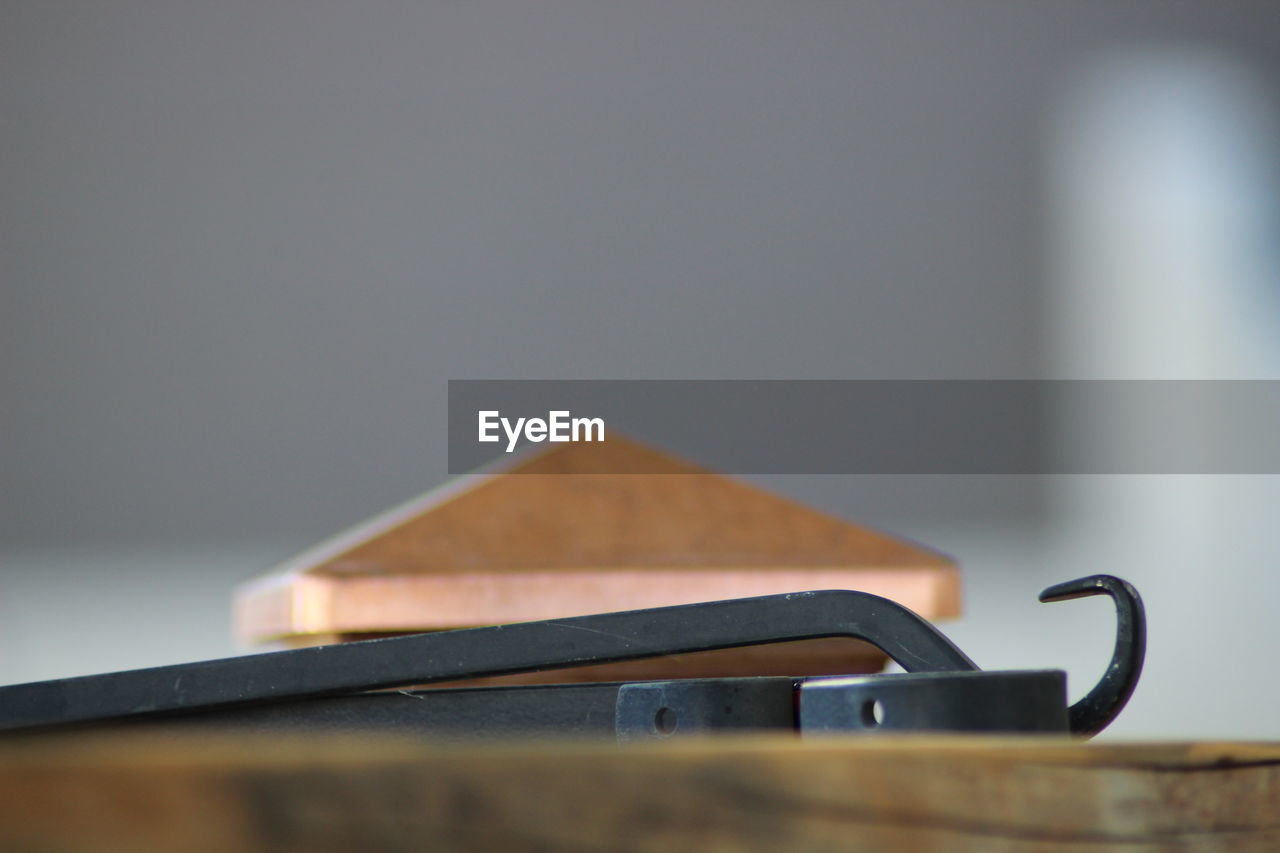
x,y
1100,706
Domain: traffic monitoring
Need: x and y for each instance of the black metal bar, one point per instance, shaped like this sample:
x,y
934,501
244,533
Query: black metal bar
x,y
475,713
452,655
1019,701
1022,701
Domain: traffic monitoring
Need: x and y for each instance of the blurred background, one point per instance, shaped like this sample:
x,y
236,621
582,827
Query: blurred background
x,y
244,245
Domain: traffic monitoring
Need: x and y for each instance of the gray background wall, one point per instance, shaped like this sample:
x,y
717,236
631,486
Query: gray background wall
x,y
245,244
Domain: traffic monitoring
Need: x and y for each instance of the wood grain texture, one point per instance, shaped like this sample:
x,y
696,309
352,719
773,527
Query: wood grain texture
x,y
145,793
561,533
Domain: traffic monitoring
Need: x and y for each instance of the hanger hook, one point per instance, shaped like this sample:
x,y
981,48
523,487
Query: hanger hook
x,y
1100,706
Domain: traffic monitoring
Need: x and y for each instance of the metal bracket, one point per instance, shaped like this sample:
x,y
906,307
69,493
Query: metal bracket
x,y
1022,701
250,686
648,710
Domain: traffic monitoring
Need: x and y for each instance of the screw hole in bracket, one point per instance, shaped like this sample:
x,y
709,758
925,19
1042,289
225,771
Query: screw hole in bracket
x,y
665,721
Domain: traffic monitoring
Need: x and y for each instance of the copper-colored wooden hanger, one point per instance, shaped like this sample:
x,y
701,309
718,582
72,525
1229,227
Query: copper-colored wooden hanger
x,y
560,533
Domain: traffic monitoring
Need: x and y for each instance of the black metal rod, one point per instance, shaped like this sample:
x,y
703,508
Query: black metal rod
x,y
476,652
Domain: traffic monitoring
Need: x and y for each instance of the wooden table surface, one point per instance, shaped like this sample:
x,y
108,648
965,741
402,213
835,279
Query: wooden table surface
x,y
143,792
